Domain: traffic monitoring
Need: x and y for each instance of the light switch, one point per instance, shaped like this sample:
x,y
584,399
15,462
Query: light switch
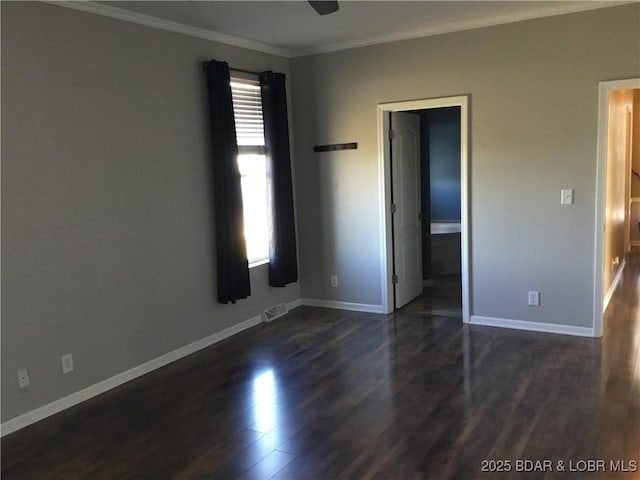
x,y
566,197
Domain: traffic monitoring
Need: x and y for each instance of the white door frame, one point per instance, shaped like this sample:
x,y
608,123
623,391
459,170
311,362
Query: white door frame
x,y
384,179
604,89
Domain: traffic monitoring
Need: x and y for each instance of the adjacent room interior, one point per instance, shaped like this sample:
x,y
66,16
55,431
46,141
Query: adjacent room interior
x,y
315,240
439,210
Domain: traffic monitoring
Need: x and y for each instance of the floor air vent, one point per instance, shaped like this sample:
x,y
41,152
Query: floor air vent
x,y
274,312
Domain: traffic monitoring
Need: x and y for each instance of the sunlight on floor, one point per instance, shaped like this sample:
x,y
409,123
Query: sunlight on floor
x,y
264,396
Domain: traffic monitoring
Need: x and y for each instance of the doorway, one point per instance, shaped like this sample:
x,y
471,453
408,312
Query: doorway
x,y
388,203
614,187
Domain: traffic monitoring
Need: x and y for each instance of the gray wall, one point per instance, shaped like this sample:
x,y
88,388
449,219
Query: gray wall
x,y
533,90
107,245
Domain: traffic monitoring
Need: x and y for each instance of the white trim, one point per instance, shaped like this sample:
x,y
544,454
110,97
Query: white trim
x,y
604,89
295,304
464,205
155,22
384,187
532,326
612,288
75,398
384,183
354,307
460,26
257,263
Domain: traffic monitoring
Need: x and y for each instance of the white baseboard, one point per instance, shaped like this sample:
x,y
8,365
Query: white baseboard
x,y
75,398
295,304
613,286
532,326
355,307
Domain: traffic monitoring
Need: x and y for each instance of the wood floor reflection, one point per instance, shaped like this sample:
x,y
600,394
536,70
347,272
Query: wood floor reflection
x,y
328,394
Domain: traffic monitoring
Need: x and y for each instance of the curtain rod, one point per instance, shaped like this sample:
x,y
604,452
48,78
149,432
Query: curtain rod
x,y
204,64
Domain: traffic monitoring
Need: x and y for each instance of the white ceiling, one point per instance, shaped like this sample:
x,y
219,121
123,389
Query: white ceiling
x,y
293,28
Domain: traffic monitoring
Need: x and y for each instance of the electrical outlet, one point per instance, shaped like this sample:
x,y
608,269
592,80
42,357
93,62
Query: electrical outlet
x,y
67,363
534,299
615,261
334,281
23,378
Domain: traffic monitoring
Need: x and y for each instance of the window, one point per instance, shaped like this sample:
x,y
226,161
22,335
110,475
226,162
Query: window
x,y
252,162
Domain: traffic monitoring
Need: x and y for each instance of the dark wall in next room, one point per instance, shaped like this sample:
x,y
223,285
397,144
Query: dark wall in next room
x,y
440,177
443,138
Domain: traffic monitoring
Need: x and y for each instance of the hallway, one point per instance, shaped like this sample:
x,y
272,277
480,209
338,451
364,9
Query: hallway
x,y
619,381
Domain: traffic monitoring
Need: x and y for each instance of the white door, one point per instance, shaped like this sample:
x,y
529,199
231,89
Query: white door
x,y
407,231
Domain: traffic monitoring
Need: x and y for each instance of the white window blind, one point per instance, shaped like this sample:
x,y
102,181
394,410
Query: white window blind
x,y
247,112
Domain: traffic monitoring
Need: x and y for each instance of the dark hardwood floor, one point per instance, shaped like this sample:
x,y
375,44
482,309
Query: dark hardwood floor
x,y
443,298
328,394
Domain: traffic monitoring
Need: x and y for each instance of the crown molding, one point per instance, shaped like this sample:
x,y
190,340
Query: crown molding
x,y
461,26
155,22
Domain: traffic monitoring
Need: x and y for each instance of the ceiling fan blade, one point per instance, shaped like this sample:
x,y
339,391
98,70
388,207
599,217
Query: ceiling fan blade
x,y
324,7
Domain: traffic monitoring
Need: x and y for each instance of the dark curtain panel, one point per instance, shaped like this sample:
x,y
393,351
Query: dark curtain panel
x,y
283,263
231,249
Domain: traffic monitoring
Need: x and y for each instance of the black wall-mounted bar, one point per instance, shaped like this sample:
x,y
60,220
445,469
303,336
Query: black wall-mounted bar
x,y
335,146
